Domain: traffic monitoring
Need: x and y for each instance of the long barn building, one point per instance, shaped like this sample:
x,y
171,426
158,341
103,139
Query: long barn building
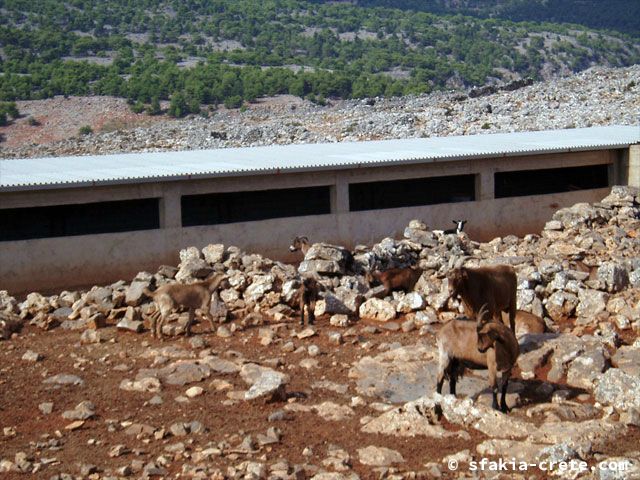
x,y
77,221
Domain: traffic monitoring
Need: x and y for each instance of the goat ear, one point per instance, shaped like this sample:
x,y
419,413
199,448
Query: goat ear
x,y
304,239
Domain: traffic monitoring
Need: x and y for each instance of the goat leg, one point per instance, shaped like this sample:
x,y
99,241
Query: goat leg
x,y
440,380
153,321
512,317
311,306
302,304
187,328
213,325
505,383
453,376
159,326
492,367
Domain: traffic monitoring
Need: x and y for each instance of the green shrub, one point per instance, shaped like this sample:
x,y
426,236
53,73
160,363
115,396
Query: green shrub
x,y
86,130
33,122
137,107
154,108
9,109
234,101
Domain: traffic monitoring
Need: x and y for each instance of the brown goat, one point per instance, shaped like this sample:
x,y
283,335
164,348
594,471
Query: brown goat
x,y
494,285
395,278
482,344
194,296
308,293
300,243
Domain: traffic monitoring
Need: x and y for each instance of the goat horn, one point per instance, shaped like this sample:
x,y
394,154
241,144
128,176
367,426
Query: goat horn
x,y
483,311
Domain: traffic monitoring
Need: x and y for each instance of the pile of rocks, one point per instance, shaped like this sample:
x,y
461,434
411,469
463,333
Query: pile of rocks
x,y
585,264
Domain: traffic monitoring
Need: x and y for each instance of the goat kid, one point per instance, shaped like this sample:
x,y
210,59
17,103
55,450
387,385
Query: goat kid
x,y
494,285
395,279
484,344
194,296
459,227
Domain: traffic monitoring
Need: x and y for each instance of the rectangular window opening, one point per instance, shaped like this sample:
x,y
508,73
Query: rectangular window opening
x,y
79,219
232,207
411,193
550,180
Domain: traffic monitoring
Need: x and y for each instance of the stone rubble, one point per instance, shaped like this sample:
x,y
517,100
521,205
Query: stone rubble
x,y
596,96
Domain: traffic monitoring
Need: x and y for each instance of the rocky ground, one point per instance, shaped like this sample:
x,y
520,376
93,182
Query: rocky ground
x,y
598,96
88,393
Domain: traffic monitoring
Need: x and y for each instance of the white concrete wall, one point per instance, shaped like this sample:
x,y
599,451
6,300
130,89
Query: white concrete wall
x,y
55,263
52,264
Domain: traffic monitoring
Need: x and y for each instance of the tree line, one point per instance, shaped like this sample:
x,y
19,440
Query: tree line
x,y
228,52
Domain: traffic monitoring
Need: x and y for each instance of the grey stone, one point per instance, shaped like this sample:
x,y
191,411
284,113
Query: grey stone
x,y
591,302
83,411
379,456
410,302
627,359
46,407
31,356
214,253
614,276
193,268
260,286
331,411
135,294
146,384
586,368
269,386
377,309
130,325
64,379
91,336
618,389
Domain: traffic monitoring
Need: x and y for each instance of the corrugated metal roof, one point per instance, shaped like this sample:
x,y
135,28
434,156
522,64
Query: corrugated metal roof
x,y
39,173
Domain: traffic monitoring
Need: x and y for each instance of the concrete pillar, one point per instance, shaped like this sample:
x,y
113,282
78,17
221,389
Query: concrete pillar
x,y
170,208
634,165
485,184
340,196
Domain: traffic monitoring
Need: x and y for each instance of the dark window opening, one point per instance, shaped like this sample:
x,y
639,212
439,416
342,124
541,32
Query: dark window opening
x,y
411,193
218,208
80,219
550,180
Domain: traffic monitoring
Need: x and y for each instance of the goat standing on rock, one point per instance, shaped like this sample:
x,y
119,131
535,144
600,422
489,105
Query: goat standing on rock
x,y
482,344
494,285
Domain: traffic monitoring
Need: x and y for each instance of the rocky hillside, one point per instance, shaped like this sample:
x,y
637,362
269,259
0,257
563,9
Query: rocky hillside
x,y
351,397
599,96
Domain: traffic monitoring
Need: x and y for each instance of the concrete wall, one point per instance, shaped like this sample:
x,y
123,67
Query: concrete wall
x,y
55,263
